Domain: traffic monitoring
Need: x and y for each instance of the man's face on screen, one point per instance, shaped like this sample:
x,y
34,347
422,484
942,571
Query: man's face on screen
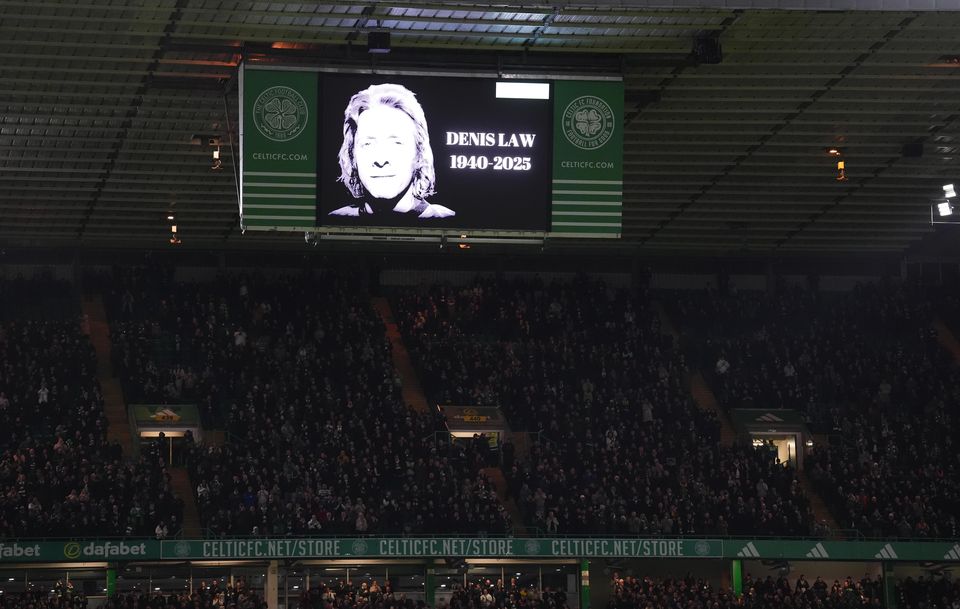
x,y
385,149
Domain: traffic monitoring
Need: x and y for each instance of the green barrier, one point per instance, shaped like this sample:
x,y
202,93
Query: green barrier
x,y
446,547
843,550
78,551
441,548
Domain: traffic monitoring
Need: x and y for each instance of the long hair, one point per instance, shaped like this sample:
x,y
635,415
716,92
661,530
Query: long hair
x,y
403,99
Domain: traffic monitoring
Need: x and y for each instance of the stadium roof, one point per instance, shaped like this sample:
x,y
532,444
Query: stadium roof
x,y
100,100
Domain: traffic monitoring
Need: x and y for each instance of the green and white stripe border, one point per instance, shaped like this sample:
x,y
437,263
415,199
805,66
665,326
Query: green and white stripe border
x,y
275,200
587,208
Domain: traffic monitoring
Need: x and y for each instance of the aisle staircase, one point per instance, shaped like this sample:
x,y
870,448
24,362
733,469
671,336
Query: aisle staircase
x,y
495,475
411,389
707,400
96,325
182,487
414,397
820,510
696,384
946,338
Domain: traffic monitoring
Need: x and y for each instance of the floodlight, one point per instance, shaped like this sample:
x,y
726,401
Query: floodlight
x,y
944,209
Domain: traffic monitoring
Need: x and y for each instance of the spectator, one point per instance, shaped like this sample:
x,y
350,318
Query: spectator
x,y
588,371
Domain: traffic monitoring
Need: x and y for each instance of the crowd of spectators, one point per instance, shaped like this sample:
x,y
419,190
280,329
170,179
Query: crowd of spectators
x,y
618,446
895,475
830,356
864,367
39,298
768,593
214,595
58,473
300,372
928,593
486,595
356,595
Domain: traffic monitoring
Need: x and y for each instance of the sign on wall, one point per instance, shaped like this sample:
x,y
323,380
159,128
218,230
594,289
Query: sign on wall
x,y
17,551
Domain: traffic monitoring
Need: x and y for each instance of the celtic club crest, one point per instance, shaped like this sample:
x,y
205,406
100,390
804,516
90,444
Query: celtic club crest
x,y
588,122
359,547
280,113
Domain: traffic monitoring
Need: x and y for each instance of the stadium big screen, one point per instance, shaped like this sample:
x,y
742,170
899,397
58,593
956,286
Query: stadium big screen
x,y
412,153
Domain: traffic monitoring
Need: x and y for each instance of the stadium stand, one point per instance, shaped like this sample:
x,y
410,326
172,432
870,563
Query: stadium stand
x,y
498,596
212,596
620,447
300,372
359,594
768,593
58,473
864,368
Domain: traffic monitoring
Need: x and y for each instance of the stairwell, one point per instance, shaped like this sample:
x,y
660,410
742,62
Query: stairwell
x,y
411,390
496,477
96,326
707,400
414,397
946,339
696,384
115,408
182,487
820,510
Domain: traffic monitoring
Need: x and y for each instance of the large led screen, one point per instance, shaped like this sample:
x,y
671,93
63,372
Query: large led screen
x,y
445,152
354,152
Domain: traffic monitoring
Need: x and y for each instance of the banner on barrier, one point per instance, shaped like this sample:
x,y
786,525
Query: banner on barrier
x,y
79,551
17,551
370,547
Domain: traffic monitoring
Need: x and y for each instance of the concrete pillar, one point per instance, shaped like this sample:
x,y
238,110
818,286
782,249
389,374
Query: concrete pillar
x,y
889,587
430,586
270,585
736,577
584,584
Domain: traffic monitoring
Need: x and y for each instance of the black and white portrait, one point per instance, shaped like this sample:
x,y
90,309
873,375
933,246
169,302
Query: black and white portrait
x,y
386,161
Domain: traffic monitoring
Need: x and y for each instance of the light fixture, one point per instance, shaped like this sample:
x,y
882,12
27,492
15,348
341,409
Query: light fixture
x,y
944,209
170,217
834,151
216,153
948,191
809,443
841,171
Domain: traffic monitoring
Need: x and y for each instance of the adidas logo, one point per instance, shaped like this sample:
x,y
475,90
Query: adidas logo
x,y
954,553
749,551
886,552
818,551
770,418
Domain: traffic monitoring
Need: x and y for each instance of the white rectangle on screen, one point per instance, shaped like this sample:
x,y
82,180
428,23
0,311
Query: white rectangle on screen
x,y
523,90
